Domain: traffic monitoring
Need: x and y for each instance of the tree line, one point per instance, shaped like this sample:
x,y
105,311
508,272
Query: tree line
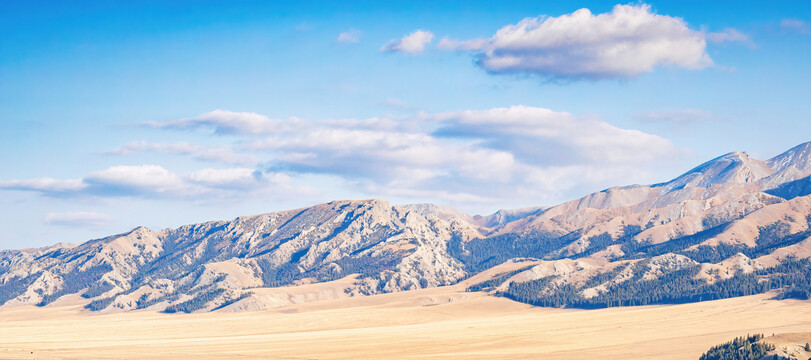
x,y
749,347
792,276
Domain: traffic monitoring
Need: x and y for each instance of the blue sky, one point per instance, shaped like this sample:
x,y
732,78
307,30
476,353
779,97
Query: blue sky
x,y
146,113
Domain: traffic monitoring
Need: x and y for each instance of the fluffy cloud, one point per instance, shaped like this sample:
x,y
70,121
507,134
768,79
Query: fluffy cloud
x,y
413,43
350,36
199,152
226,122
628,41
78,219
135,180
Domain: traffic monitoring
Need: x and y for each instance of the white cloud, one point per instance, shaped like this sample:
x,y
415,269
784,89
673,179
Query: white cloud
x,y
413,43
350,36
227,122
215,154
126,180
794,25
91,220
628,41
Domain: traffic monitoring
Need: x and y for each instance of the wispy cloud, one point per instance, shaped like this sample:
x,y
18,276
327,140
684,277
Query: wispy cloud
x,y
157,182
628,41
350,36
81,219
395,103
678,116
413,43
729,36
44,185
223,122
795,25
199,152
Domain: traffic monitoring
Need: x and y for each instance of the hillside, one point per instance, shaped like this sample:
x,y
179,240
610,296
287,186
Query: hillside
x,y
719,230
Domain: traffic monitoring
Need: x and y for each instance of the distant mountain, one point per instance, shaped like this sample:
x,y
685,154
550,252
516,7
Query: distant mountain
x,y
731,226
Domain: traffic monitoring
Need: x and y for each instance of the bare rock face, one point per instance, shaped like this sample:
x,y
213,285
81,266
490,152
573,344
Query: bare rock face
x,y
730,215
210,265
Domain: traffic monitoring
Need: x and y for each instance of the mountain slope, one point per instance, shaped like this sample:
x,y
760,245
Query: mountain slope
x,y
395,248
716,192
793,189
732,221
791,165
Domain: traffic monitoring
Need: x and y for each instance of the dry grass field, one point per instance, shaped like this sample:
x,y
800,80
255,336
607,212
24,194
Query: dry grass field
x,y
438,323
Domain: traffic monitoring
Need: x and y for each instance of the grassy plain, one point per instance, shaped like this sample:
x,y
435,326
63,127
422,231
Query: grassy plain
x,y
441,323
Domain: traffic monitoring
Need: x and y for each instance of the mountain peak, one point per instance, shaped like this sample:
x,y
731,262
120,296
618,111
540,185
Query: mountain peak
x,y
735,167
791,165
370,202
503,216
734,156
798,157
444,212
140,230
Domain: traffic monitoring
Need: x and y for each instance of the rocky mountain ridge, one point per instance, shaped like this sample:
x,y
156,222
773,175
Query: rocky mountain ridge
x,y
729,216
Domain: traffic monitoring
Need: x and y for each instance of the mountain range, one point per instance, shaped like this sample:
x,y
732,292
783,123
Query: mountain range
x,y
731,226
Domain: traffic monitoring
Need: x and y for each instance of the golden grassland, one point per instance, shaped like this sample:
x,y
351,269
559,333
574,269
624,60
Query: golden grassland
x,y
441,323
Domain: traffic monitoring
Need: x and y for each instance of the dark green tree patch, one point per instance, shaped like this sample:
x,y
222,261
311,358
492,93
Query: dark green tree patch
x,y
749,347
